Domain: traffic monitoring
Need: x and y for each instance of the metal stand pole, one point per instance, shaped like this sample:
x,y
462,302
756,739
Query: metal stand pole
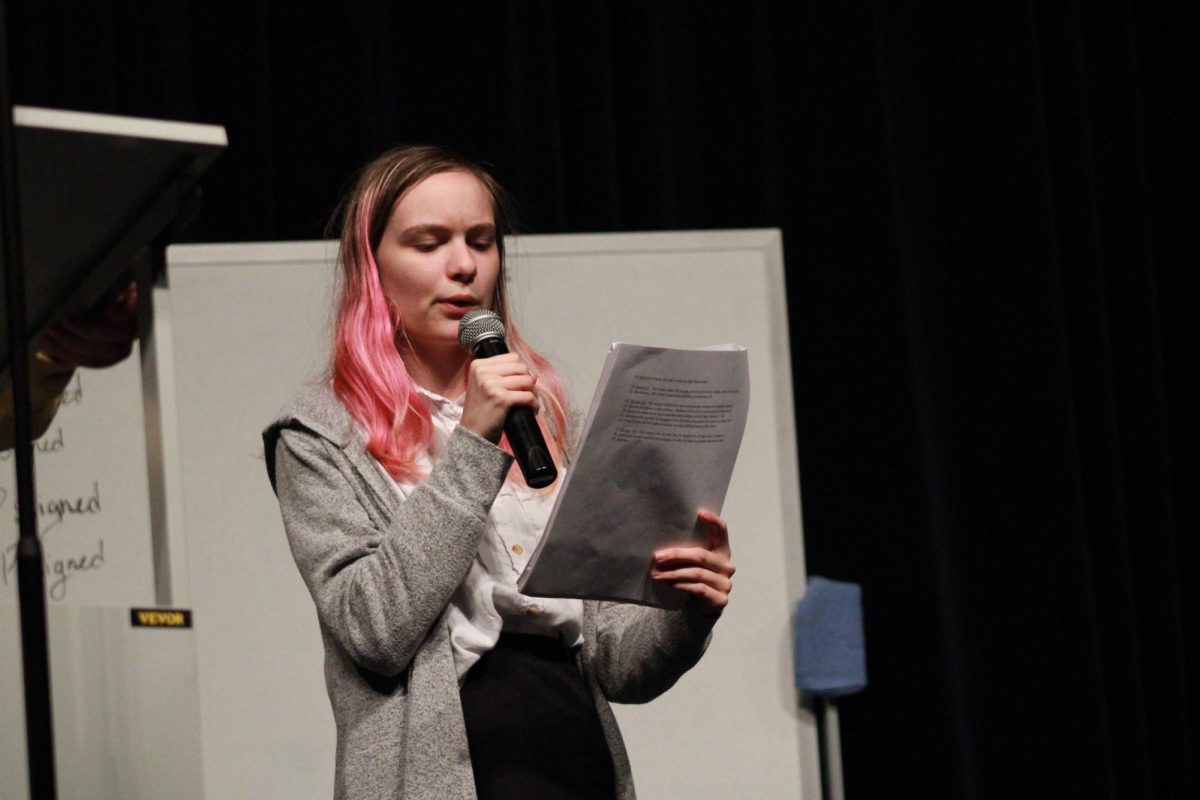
x,y
30,575
818,709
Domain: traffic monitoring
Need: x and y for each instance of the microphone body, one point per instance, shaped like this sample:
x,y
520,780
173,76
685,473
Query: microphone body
x,y
520,426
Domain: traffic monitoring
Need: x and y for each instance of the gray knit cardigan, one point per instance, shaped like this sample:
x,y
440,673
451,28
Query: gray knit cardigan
x,y
381,571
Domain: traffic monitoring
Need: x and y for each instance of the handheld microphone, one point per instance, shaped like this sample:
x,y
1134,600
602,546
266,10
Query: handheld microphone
x,y
482,333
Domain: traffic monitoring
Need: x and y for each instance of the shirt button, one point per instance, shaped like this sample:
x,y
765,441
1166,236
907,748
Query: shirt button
x,y
518,549
533,611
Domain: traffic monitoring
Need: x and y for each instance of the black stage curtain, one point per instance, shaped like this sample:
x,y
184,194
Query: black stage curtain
x,y
991,286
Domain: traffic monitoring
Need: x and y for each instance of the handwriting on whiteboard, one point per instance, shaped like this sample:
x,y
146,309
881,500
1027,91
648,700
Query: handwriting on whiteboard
x,y
92,508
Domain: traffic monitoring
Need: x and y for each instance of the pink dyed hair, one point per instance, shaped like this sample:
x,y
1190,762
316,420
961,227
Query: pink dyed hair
x,y
369,375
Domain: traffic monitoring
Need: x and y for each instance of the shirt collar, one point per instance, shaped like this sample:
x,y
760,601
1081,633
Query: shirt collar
x,y
443,405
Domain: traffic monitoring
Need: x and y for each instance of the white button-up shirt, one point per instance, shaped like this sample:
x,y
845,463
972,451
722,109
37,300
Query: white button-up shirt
x,y
487,601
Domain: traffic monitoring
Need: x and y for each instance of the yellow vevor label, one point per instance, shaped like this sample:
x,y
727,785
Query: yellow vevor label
x,y
160,617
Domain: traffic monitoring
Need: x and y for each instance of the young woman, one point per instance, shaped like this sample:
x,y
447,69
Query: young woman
x,y
410,525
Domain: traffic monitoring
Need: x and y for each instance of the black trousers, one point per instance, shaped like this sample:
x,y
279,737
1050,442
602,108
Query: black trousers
x,y
532,727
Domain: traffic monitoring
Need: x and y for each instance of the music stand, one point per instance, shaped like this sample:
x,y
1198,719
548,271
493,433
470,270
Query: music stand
x,y
89,201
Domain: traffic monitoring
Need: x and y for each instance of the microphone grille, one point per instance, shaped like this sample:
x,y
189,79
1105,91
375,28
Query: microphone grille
x,y
477,325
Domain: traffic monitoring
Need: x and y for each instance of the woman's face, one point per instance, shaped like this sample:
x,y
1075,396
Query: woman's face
x,y
439,258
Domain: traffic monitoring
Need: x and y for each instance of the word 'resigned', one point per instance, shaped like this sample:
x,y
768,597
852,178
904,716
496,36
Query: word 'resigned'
x,y
58,570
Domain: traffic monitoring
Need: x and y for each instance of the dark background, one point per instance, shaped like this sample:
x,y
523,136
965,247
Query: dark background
x,y
989,228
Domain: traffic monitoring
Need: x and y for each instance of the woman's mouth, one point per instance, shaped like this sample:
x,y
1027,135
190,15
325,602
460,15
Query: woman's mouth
x,y
458,305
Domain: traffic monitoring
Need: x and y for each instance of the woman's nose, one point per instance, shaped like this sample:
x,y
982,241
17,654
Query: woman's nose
x,y
462,262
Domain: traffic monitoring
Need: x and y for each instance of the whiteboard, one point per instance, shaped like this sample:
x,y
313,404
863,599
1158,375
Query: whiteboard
x,y
126,714
92,492
124,704
248,326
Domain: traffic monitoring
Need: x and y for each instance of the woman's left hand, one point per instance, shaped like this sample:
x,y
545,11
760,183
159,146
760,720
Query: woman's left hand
x,y
705,572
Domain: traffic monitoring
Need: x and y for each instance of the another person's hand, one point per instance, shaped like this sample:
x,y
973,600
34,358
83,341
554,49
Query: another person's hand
x,y
494,385
705,572
99,338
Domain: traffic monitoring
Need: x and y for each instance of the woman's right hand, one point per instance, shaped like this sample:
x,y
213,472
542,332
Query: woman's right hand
x,y
494,385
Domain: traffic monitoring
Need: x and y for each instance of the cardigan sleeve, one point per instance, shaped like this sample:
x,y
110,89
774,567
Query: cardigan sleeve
x,y
639,652
379,585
